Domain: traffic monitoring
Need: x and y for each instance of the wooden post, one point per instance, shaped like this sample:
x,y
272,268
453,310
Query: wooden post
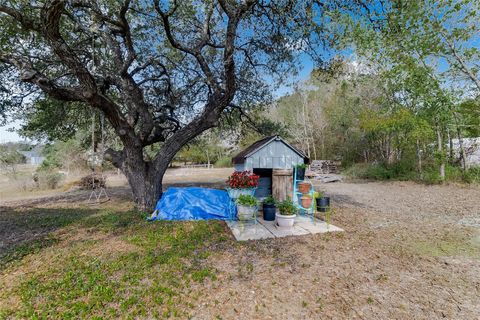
x,y
282,184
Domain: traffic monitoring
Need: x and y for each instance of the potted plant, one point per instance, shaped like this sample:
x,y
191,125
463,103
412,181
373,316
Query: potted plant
x,y
246,207
242,182
322,202
300,168
269,208
304,187
306,201
287,214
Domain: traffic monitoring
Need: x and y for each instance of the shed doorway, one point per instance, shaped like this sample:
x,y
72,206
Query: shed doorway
x,y
264,188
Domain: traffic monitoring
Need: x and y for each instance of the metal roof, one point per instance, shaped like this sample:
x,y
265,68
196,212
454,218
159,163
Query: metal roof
x,y
245,153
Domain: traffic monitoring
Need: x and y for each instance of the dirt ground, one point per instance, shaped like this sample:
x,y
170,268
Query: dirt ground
x,y
409,251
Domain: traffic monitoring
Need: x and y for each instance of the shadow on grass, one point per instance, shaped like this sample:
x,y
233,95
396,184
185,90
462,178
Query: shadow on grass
x,y
213,185
26,231
163,260
119,193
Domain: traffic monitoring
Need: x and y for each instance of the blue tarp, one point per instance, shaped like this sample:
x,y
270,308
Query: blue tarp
x,y
194,204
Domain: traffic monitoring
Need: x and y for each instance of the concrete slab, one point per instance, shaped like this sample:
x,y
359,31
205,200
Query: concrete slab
x,y
279,232
243,231
319,227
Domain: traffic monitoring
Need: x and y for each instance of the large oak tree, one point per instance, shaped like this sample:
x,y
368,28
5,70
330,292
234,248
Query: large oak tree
x,y
161,72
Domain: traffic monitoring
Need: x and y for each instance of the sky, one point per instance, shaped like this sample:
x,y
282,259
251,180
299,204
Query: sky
x,y
7,136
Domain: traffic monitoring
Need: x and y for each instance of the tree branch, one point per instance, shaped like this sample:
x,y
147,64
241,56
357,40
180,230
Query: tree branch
x,y
30,75
459,59
25,22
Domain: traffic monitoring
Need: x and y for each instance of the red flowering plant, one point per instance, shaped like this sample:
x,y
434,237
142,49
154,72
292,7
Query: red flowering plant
x,y
243,180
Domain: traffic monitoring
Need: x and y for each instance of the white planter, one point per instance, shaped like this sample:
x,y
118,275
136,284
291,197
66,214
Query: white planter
x,y
245,212
284,221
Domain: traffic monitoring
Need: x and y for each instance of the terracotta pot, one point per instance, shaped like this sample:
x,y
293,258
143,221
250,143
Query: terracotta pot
x,y
306,202
304,187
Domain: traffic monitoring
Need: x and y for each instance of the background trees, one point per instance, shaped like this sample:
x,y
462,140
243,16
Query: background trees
x,y
401,89
428,53
10,158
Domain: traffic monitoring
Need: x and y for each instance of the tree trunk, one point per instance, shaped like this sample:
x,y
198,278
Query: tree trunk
x,y
146,187
440,151
145,177
419,160
463,156
450,147
208,158
146,181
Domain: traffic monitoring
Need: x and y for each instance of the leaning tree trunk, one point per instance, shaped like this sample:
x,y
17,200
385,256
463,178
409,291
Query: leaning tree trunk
x,y
145,182
144,176
146,185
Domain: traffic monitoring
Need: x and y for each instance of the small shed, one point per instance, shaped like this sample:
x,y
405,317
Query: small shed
x,y
273,159
33,157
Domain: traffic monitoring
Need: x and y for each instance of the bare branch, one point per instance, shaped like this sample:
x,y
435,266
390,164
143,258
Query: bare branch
x,y
26,23
30,75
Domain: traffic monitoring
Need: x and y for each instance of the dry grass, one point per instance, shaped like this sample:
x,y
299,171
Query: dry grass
x,y
408,252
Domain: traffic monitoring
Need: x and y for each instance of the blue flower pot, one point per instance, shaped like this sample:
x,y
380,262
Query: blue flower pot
x,y
269,212
323,204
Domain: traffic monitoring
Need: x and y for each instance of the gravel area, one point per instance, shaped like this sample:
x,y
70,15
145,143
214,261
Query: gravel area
x,y
408,201
410,251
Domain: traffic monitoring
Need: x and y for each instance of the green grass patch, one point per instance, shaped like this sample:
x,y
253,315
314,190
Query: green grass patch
x,y
224,162
110,220
20,251
447,247
35,226
144,282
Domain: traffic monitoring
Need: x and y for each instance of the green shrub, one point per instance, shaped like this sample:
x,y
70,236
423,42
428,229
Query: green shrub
x,y
453,173
472,175
318,194
247,200
224,162
402,170
378,172
407,171
269,200
47,179
431,175
53,179
287,207
356,170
